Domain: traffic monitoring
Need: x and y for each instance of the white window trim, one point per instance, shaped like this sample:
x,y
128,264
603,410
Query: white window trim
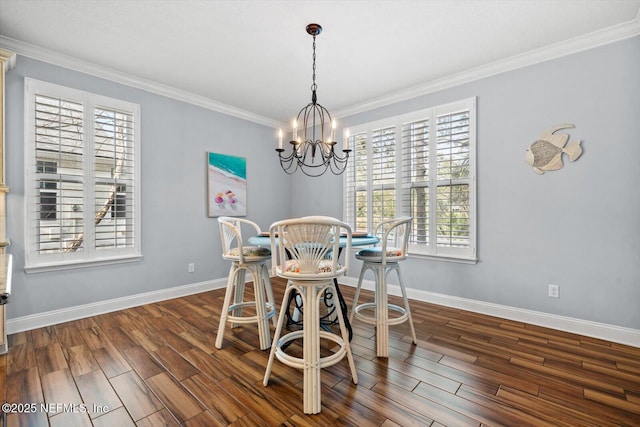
x,y
431,251
89,256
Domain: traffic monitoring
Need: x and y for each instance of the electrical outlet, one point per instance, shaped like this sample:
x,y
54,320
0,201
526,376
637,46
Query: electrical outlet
x,y
554,291
192,267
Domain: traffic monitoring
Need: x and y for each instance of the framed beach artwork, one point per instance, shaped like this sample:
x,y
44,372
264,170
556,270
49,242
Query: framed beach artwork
x,y
226,185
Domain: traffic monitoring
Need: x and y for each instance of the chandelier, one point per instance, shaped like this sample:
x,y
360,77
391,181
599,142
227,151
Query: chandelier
x,y
313,148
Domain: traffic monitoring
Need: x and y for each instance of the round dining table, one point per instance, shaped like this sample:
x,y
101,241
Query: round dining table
x,y
357,239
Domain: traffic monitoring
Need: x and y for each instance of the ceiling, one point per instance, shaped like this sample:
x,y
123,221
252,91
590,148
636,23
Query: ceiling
x,y
254,58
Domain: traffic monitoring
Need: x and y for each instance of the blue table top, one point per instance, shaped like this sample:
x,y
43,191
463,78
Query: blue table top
x,y
263,240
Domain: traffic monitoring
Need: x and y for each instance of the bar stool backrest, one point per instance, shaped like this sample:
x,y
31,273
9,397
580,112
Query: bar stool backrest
x,y
394,241
304,248
233,248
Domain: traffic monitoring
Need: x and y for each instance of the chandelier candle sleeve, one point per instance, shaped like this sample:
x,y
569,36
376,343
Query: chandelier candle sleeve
x,y
333,130
280,138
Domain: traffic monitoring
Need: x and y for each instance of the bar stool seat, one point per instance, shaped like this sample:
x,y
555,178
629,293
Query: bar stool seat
x,y
381,260
245,259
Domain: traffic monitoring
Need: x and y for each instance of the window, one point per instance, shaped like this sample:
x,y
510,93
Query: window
x,y
81,166
420,164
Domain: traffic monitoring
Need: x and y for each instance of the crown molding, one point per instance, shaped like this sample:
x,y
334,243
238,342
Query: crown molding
x,y
8,59
577,44
66,61
568,47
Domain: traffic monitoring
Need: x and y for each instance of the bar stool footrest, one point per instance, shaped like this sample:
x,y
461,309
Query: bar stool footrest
x,y
372,319
298,362
270,312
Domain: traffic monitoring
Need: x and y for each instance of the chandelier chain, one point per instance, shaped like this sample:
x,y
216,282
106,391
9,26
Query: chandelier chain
x,y
314,86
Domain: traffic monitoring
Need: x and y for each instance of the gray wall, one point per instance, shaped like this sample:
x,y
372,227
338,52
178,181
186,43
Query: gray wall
x,y
175,228
578,227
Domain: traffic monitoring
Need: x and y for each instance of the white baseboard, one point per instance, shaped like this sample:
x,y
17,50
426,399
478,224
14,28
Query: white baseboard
x,y
54,317
568,324
603,331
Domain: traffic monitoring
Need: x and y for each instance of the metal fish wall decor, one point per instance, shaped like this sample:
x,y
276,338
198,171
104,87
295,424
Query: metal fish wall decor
x,y
545,154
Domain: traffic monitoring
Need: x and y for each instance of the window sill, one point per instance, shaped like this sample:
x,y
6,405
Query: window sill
x,y
445,258
44,268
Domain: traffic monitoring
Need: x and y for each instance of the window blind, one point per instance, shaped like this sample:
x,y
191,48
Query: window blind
x,y
421,164
356,202
82,162
383,174
415,161
59,146
113,186
453,179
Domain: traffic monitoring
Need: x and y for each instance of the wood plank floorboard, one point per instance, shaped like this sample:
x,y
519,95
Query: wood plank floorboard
x,y
156,365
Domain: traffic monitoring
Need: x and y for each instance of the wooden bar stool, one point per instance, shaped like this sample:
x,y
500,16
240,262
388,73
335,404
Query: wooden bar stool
x,y
393,247
305,252
252,259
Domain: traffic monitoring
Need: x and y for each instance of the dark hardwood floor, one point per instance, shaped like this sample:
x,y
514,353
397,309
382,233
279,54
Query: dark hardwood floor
x,y
156,365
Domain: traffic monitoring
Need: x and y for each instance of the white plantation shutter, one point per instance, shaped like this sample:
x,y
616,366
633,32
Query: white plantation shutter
x,y
422,164
114,161
383,174
452,200
59,178
81,158
416,164
356,198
